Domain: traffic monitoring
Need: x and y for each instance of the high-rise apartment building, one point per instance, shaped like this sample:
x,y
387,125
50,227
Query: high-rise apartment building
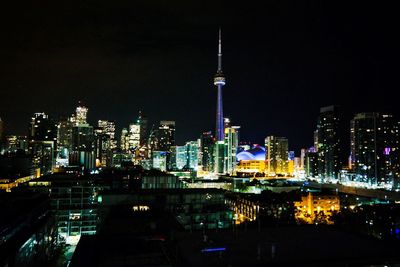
x,y
42,128
142,121
329,143
83,147
102,148
277,154
206,151
42,142
193,150
81,114
124,143
165,135
231,147
303,152
64,141
181,157
108,128
219,157
375,148
134,136
160,160
311,164
83,141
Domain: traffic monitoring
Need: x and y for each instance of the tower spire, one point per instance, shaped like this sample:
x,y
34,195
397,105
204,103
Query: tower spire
x,y
219,52
219,81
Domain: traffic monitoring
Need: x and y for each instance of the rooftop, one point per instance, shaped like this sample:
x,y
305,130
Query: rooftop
x,y
285,246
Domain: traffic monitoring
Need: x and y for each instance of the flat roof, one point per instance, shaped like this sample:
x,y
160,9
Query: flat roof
x,y
293,246
164,191
120,250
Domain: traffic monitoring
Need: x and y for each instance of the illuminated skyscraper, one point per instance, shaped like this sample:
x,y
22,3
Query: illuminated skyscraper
x,y
375,148
231,146
277,154
160,159
134,136
302,158
83,147
42,155
108,128
219,81
81,115
316,140
162,139
219,157
83,141
64,141
152,141
124,145
105,143
192,150
179,158
134,139
185,157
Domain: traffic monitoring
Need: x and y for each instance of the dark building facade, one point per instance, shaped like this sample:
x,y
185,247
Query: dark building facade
x,y
64,141
103,148
42,128
311,164
42,142
163,137
375,148
166,135
142,121
74,202
194,209
329,143
83,153
207,143
14,143
2,136
28,231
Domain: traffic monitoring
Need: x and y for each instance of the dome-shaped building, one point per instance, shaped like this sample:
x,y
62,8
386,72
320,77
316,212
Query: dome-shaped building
x,y
255,153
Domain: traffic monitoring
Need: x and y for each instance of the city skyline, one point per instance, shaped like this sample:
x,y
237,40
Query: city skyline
x,y
126,139
282,68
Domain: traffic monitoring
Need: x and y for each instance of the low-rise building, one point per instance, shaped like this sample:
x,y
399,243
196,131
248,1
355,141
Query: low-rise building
x,y
194,209
27,230
74,203
317,208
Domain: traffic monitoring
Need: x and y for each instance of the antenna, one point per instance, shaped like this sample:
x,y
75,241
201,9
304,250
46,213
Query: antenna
x,y
219,51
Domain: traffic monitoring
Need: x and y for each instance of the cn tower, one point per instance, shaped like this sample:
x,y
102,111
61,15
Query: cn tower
x,y
219,81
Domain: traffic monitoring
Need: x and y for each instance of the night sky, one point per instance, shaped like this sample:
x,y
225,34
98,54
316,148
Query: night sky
x,y
282,63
